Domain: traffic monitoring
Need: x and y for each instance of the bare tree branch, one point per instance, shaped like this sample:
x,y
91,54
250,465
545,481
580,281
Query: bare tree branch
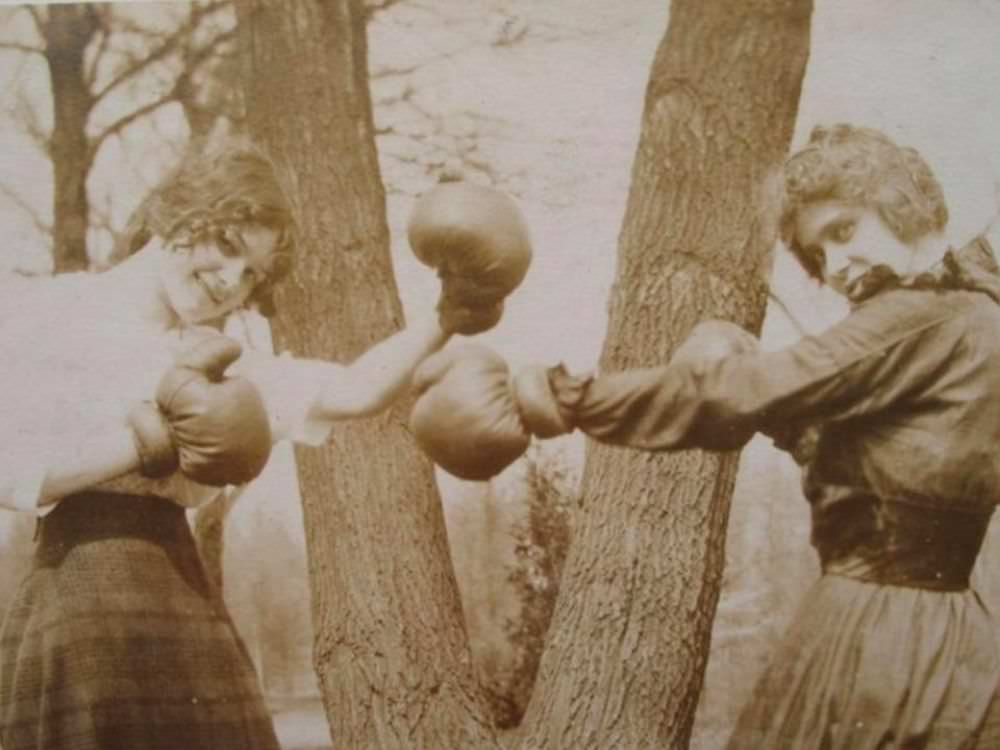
x,y
205,51
18,47
169,44
38,18
23,113
104,35
40,224
389,71
123,122
374,7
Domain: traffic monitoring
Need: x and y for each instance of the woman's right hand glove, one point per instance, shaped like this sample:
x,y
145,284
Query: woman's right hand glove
x,y
213,428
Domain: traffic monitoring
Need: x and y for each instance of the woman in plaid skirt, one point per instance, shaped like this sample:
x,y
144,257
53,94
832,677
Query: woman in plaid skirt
x,y
116,639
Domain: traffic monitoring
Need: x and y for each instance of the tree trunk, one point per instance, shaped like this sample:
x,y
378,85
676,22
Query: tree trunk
x,y
68,30
630,638
390,648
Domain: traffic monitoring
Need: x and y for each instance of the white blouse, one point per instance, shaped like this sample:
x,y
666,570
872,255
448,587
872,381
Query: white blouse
x,y
72,365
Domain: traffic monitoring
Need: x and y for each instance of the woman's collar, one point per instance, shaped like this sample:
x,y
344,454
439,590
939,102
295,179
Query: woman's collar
x,y
972,267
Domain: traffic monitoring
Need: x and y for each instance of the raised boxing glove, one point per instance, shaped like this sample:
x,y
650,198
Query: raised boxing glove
x,y
213,428
477,240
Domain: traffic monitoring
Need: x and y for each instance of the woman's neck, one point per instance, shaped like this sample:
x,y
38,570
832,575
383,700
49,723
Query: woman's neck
x,y
928,253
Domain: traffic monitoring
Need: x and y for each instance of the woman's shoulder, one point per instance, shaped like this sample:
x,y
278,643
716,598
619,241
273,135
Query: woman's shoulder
x,y
901,312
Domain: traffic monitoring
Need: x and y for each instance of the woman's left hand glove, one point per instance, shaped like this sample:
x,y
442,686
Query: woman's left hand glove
x,y
214,428
472,418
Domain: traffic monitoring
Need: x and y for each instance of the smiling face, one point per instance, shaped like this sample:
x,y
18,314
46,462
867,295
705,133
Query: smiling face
x,y
842,242
216,275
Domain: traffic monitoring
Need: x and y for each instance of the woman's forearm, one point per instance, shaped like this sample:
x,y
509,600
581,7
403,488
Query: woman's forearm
x,y
105,457
378,377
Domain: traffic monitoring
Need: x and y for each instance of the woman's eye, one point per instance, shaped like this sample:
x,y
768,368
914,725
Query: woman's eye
x,y
252,276
226,247
843,232
228,243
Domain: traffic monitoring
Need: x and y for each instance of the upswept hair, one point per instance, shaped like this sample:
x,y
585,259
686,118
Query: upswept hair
x,y
232,184
862,167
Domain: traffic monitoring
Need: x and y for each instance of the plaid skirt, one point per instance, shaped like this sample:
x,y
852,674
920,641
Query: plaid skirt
x,y
116,639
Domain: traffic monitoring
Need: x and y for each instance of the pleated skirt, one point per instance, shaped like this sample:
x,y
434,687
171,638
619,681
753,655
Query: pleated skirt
x,y
116,639
866,666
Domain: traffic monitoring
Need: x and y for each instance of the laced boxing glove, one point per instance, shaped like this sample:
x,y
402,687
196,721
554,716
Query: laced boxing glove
x,y
477,240
472,419
213,428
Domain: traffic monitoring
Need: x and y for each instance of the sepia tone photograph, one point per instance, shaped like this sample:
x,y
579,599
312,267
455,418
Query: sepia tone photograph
x,y
507,374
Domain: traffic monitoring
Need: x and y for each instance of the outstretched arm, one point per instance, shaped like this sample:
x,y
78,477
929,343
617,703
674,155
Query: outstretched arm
x,y
473,419
378,377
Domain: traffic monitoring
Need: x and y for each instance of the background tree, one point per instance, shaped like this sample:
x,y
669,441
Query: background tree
x,y
642,577
541,541
390,650
109,68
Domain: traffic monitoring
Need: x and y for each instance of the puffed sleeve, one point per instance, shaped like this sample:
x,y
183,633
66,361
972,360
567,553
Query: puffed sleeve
x,y
291,388
885,351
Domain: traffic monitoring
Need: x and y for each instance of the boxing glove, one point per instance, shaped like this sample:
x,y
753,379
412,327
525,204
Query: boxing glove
x,y
476,239
464,417
213,428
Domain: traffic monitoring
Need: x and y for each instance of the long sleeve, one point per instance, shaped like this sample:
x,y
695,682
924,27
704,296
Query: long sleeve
x,y
887,350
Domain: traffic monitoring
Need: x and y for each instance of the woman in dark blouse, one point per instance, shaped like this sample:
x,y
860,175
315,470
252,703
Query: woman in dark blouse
x,y
891,648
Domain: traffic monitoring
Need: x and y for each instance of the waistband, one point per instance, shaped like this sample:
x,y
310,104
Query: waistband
x,y
98,516
900,543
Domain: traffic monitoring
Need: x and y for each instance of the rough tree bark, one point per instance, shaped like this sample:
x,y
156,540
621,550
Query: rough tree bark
x,y
390,649
629,641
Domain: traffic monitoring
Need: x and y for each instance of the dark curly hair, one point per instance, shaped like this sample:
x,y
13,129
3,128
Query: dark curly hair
x,y
231,185
862,167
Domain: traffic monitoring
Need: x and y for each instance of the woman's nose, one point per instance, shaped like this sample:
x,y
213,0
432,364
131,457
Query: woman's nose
x,y
836,262
231,273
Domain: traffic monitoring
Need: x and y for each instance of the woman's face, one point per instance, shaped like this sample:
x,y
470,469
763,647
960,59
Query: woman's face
x,y
215,276
847,241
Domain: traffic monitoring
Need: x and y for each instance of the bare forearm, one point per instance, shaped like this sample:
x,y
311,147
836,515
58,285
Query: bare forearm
x,y
378,377
104,457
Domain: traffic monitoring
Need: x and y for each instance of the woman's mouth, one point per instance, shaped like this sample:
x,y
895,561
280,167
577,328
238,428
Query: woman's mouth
x,y
207,288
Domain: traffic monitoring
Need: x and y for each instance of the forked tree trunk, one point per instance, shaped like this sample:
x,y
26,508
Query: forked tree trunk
x,y
629,641
390,648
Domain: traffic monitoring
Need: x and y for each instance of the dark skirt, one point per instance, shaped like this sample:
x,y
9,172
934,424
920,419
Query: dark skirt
x,y
116,639
866,666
